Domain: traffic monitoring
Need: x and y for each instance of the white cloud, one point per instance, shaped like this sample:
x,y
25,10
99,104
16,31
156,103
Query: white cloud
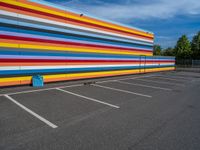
x,y
128,10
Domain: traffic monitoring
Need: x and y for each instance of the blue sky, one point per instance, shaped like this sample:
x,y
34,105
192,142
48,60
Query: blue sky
x,y
168,19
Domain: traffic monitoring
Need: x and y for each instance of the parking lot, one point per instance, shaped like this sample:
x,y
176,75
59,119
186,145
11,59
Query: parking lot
x,y
147,111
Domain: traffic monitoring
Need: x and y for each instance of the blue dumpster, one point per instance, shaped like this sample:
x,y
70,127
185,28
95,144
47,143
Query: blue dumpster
x,y
37,81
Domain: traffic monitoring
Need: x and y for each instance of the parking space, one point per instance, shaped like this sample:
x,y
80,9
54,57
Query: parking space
x,y
56,107
182,75
13,120
153,83
167,79
146,92
111,97
64,103
161,82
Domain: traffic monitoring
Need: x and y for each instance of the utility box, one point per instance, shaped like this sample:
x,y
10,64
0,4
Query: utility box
x,y
37,81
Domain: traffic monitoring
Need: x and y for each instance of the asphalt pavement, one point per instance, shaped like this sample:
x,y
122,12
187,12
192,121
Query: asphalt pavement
x,y
155,111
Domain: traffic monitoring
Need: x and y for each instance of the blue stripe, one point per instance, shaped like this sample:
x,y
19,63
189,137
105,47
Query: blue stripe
x,y
70,54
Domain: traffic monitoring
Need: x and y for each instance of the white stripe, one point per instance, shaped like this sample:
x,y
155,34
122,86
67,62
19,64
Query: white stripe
x,y
31,112
120,90
62,58
10,68
66,57
143,85
88,98
67,25
160,82
71,66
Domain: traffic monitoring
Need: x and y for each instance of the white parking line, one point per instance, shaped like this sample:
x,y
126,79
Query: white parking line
x,y
120,90
160,82
175,77
88,98
143,85
53,88
137,77
124,79
31,112
39,90
166,78
178,75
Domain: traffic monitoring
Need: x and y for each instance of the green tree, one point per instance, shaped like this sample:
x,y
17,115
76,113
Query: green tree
x,y
168,52
183,48
195,45
157,50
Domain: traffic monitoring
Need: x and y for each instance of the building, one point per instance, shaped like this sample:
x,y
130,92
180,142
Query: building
x,y
37,38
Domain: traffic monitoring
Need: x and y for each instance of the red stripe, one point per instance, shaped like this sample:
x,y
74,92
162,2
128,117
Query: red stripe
x,y
68,43
67,19
71,60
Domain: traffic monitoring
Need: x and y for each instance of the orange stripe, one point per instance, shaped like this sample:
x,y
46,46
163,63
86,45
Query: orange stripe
x,y
10,83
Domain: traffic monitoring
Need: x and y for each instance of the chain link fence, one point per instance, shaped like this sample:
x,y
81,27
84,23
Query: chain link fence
x,y
188,63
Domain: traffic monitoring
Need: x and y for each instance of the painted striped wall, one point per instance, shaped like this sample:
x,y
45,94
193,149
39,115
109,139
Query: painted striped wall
x,y
38,38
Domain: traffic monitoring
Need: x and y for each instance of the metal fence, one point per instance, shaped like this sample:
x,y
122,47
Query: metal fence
x,y
188,63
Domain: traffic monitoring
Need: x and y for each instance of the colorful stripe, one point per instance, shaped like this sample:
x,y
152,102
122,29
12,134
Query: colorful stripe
x,y
39,38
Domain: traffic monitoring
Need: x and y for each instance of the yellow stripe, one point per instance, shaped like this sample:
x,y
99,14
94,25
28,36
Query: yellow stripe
x,y
74,75
75,17
106,72
72,49
13,79
10,45
159,69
